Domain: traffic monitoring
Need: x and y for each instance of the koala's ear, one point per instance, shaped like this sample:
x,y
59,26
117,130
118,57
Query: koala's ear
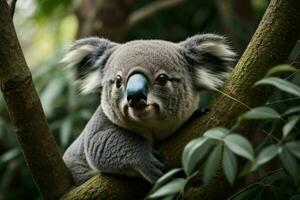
x,y
88,57
210,58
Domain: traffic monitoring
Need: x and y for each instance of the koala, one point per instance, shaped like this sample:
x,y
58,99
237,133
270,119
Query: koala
x,y
149,89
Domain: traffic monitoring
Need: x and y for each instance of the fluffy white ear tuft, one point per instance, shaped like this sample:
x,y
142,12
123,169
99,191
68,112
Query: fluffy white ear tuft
x,y
88,57
74,56
208,80
90,83
210,58
218,49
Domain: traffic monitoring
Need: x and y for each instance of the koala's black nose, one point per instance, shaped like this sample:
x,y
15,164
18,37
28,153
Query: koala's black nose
x,y
136,90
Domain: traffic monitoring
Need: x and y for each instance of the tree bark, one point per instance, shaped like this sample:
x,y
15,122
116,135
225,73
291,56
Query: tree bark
x,y
108,187
38,146
271,44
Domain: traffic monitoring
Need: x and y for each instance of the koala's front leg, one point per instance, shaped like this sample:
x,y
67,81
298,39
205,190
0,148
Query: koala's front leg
x,y
109,148
118,151
75,160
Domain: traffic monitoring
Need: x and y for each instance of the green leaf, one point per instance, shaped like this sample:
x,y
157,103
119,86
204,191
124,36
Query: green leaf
x,y
194,152
66,130
85,114
248,193
295,197
239,145
165,178
2,104
49,95
288,127
294,148
212,164
229,165
289,163
260,113
281,68
249,167
292,111
281,84
170,197
216,133
267,154
173,187
274,176
266,182
9,155
9,175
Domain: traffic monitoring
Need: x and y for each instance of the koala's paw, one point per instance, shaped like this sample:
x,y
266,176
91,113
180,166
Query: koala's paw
x,y
151,167
200,112
157,155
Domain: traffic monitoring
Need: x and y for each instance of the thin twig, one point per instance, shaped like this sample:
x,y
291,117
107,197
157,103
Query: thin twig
x,y
234,99
283,100
151,9
271,136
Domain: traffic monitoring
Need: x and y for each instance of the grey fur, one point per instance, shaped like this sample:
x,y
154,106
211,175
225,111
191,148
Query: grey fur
x,y
105,147
87,56
111,141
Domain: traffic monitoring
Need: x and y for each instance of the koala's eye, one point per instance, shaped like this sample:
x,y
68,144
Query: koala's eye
x,y
162,79
118,81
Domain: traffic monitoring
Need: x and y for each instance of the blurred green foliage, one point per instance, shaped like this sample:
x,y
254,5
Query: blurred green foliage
x,y
67,112
45,26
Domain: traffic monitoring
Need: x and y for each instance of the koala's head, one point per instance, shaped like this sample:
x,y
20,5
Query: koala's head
x,y
151,86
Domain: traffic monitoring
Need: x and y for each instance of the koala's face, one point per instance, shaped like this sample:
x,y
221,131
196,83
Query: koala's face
x,y
151,86
146,89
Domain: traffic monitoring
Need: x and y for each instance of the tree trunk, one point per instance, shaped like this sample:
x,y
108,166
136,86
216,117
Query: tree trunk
x,y
104,18
270,45
112,19
38,146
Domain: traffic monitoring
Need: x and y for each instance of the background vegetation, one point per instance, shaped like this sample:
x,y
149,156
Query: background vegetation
x,y
44,27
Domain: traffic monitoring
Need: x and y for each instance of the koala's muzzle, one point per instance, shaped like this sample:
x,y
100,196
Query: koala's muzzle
x,y
136,90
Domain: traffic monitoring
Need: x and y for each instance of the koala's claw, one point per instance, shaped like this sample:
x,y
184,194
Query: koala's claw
x,y
151,173
152,169
159,165
200,112
157,155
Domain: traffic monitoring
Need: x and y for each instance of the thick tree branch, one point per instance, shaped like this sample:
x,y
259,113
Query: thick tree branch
x,y
109,187
150,10
37,143
270,45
